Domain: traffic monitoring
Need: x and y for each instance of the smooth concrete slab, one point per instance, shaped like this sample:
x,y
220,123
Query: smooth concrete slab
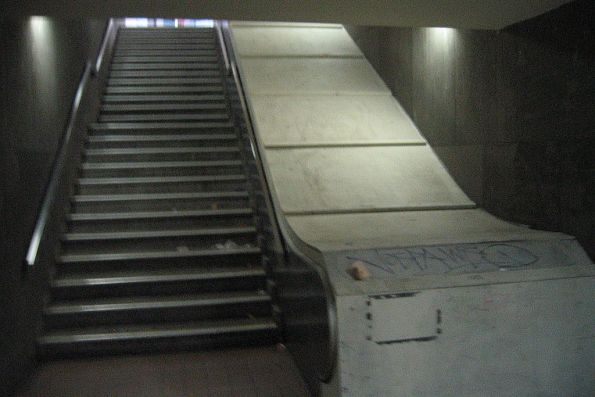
x,y
336,232
311,76
294,41
323,120
377,178
505,339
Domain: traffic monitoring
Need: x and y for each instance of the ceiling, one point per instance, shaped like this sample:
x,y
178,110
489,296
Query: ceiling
x,y
472,14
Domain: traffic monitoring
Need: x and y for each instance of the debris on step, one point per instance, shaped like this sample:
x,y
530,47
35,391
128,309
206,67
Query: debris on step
x,y
231,245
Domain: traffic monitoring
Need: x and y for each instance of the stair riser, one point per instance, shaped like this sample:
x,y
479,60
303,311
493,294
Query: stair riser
x,y
170,171
162,288
178,187
150,345
218,128
171,143
165,66
209,51
162,243
148,109
178,314
219,261
162,42
152,205
206,155
164,73
192,116
160,224
196,49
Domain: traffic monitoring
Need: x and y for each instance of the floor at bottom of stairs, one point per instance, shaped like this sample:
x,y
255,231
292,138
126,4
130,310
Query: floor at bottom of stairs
x,y
248,372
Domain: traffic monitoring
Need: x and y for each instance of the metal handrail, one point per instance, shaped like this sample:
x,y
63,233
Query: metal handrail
x,y
285,234
60,161
103,48
224,50
57,169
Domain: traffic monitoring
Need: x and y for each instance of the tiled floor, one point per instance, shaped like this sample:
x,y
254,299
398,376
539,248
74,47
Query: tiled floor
x,y
254,372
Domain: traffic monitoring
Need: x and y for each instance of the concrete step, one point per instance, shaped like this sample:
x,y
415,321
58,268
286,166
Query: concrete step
x,y
162,154
164,44
161,168
161,259
158,220
66,286
163,99
125,242
148,117
163,107
161,184
158,127
163,73
166,66
158,337
196,49
159,140
131,60
116,81
178,89
152,309
159,201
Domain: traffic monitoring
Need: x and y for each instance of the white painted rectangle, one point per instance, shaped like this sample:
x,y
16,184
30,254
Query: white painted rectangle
x,y
400,319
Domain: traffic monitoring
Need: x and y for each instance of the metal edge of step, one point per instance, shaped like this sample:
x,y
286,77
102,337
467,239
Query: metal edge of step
x,y
159,164
159,138
159,150
147,277
101,181
111,216
155,196
157,125
153,234
172,330
123,99
154,302
133,256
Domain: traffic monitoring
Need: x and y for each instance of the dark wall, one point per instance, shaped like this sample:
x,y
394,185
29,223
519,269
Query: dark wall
x,y
510,113
41,63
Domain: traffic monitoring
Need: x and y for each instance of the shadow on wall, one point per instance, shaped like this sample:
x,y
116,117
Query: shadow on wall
x,y
509,112
42,61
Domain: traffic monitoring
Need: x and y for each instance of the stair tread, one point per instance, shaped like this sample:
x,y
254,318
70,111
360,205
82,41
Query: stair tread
x,y
163,73
147,331
160,125
117,81
74,217
157,150
159,138
152,89
159,164
158,179
162,98
162,117
163,107
163,254
91,236
154,302
155,196
151,276
165,66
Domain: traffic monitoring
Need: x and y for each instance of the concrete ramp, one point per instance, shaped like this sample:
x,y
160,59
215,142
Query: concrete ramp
x,y
458,302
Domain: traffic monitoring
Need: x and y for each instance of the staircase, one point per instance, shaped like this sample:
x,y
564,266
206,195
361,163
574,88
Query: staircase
x,y
160,250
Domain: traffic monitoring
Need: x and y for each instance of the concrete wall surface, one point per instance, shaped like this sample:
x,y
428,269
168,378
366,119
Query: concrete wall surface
x,y
508,112
455,301
42,62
